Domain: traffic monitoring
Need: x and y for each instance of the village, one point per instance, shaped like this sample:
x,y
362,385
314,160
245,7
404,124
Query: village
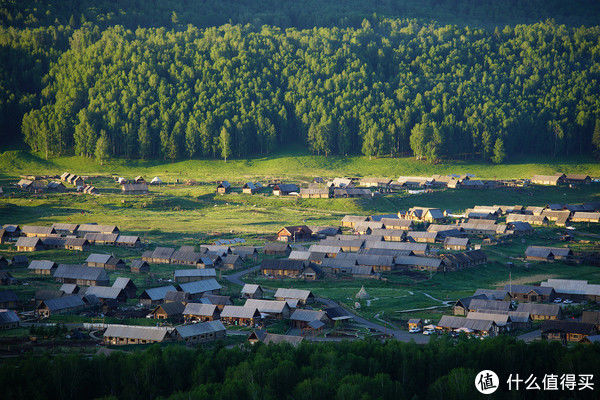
x,y
109,287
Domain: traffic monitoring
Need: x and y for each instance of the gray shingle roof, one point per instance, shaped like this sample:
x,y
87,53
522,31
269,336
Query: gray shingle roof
x,y
539,309
64,303
202,286
293,294
307,315
156,334
104,292
8,317
239,312
200,328
158,293
448,321
42,264
80,272
199,309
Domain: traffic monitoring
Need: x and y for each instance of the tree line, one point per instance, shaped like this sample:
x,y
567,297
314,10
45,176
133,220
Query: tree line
x,y
360,370
389,88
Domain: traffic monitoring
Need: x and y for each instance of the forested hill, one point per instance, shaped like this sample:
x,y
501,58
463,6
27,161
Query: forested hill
x,y
358,84
389,87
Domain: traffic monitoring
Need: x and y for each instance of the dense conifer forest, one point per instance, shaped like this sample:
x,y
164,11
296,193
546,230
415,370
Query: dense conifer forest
x,y
344,371
183,79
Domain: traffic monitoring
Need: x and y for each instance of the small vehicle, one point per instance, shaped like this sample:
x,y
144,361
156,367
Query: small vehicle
x,y
567,301
558,300
414,330
428,332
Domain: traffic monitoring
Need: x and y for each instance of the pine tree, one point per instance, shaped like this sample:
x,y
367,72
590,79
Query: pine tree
x,y
101,152
596,138
499,152
224,142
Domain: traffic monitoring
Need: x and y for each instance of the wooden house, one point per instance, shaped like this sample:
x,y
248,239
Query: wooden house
x,y
282,268
551,180
302,296
421,237
134,188
531,293
425,214
199,312
315,193
161,255
42,267
302,319
348,221
246,252
454,243
197,289
548,254
60,305
139,266
250,188
81,275
469,326
191,275
581,216
578,290
76,244
130,334
169,311
84,229
285,189
294,233
232,262
128,241
9,320
223,187
539,312
37,231
277,309
127,286
218,300
239,315
251,291
155,296
577,179
567,331
277,249
106,261
200,333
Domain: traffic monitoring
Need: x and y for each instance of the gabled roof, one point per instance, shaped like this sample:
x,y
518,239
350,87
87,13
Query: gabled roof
x,y
415,247
8,317
101,259
80,272
267,306
250,288
200,328
163,253
489,305
155,334
63,303
283,264
418,261
104,292
196,273
38,230
68,288
31,241
42,264
200,309
572,286
293,294
316,248
239,312
97,228
540,290
202,286
123,239
157,293
307,315
492,294
581,328
171,309
454,241
452,322
122,283
539,309
299,255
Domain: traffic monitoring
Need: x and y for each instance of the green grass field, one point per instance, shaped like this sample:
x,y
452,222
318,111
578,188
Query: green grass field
x,y
289,164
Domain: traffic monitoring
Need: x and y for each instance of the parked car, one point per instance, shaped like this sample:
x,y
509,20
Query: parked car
x,y
414,330
567,301
558,300
428,332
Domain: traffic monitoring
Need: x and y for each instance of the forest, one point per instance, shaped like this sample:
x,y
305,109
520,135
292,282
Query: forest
x,y
345,371
138,81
